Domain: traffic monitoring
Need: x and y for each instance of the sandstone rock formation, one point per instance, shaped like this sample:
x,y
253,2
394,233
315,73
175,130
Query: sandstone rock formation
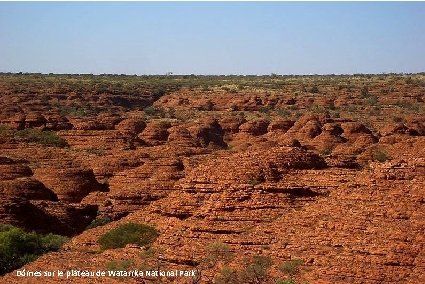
x,y
155,133
69,182
26,202
267,166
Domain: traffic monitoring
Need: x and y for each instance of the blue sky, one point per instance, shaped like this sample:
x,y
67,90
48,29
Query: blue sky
x,y
212,37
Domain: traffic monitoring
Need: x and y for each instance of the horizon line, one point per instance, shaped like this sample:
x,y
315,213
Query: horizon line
x,y
170,74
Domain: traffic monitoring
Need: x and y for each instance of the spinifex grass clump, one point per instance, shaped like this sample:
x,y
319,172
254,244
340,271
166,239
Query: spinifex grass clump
x,y
380,156
119,265
18,247
99,222
291,267
130,233
46,138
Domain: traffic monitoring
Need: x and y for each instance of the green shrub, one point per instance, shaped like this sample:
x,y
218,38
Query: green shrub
x,y
257,269
372,100
5,132
119,265
18,247
326,151
351,108
209,106
318,109
398,119
408,105
149,253
336,114
44,99
159,92
130,233
75,111
365,92
52,242
314,90
152,111
46,138
227,276
4,129
286,281
264,109
380,156
99,222
255,181
283,112
218,251
385,91
291,267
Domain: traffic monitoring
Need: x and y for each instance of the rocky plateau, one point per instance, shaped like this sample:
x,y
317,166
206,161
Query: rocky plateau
x,y
332,175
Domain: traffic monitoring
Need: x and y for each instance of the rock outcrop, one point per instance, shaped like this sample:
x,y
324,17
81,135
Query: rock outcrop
x,y
69,182
28,203
291,167
155,133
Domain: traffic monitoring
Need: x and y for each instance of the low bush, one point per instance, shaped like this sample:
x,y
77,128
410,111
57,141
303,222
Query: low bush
x,y
18,247
408,105
159,92
398,119
99,222
255,181
5,133
326,151
286,281
380,156
257,269
130,233
150,110
227,276
314,90
218,251
365,92
4,129
153,111
372,100
291,267
283,112
119,265
264,109
46,138
75,111
254,272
